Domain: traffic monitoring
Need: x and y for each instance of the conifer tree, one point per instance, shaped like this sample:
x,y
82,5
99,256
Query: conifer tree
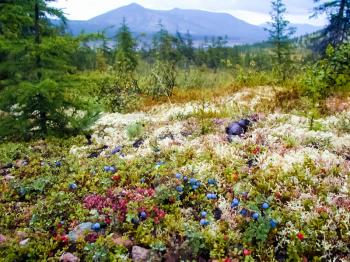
x,y
338,29
280,33
36,74
126,58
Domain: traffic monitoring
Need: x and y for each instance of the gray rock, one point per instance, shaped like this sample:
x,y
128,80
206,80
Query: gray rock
x,y
122,241
140,254
79,231
69,257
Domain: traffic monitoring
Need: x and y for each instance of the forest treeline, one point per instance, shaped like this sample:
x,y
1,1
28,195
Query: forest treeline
x,y
53,83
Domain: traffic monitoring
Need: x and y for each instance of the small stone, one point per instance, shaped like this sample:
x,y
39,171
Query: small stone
x,y
24,242
122,241
79,231
140,254
69,257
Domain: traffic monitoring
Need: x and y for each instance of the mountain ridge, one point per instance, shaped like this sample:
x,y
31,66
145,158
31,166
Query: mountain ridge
x,y
198,23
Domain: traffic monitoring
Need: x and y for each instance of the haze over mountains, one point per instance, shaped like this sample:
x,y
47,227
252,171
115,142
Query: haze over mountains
x,y
199,23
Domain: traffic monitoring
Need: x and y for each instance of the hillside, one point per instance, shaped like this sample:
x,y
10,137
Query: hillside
x,y
198,23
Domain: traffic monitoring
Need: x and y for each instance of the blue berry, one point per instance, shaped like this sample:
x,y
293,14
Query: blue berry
x,y
194,187
112,169
116,150
273,223
22,191
203,214
211,196
235,202
193,180
179,189
203,222
178,176
255,216
135,221
244,212
142,180
265,205
143,215
96,226
185,178
106,168
73,186
211,181
58,163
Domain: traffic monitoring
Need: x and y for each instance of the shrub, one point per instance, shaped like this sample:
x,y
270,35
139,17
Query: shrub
x,y
134,130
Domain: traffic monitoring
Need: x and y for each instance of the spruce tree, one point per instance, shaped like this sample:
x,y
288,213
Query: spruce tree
x,y
126,58
338,29
280,33
38,95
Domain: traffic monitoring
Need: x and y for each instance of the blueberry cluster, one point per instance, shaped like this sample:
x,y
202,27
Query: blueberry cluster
x,y
110,169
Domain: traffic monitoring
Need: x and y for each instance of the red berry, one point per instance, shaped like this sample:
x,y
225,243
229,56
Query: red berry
x,y
246,252
300,236
116,178
64,239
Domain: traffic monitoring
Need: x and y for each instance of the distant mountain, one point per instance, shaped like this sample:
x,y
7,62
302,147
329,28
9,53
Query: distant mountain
x,y
200,24
301,29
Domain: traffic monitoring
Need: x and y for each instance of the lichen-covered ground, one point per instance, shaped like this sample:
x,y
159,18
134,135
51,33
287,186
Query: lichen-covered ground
x,y
183,192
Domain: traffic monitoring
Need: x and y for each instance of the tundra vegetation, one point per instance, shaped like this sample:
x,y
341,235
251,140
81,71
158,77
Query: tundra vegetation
x,y
118,150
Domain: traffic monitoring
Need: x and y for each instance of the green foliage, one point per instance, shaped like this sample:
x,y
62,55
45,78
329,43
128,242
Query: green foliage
x,y
118,89
337,68
325,77
258,231
134,130
12,151
163,79
41,109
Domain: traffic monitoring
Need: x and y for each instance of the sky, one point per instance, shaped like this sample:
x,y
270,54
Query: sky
x,y
252,11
